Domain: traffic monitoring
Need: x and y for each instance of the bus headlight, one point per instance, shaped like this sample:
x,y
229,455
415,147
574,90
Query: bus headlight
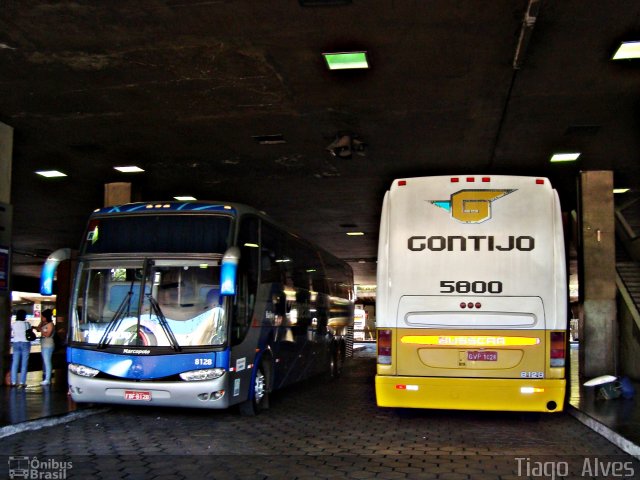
x,y
83,370
204,374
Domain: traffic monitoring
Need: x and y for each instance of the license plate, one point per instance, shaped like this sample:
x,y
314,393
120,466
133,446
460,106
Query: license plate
x,y
482,356
138,396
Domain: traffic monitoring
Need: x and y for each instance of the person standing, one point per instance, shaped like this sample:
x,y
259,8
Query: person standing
x,y
21,349
47,345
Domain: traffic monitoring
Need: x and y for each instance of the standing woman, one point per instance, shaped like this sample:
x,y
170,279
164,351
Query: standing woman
x,y
47,344
21,349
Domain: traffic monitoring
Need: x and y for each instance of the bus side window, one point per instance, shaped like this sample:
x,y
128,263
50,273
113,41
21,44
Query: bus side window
x,y
244,301
273,272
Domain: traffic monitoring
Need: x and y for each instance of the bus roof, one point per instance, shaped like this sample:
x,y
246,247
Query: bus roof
x,y
173,206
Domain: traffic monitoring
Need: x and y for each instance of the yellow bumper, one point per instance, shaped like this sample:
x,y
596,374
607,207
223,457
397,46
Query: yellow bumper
x,y
471,393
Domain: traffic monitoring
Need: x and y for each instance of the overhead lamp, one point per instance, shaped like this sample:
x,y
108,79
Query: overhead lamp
x,y
355,234
346,60
565,157
620,190
51,173
627,51
129,169
185,198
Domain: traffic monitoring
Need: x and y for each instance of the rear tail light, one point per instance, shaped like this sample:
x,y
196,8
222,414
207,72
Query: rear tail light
x,y
384,347
558,349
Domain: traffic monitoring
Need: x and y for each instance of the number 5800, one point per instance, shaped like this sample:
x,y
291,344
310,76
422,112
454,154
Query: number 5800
x,y
463,286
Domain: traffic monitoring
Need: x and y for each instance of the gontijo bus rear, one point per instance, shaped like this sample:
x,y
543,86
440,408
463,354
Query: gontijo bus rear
x,y
472,295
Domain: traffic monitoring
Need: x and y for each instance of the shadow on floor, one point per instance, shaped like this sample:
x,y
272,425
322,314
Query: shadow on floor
x,y
618,420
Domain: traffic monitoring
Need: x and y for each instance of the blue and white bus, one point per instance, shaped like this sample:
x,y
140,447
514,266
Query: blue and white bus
x,y
202,304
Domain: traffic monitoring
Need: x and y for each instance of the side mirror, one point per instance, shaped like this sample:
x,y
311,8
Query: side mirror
x,y
229,271
49,269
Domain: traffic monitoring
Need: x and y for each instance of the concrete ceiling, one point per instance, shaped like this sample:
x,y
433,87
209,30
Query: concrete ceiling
x,y
180,88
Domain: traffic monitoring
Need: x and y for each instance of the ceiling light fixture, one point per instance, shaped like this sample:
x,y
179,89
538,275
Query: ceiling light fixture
x,y
620,190
565,157
346,60
627,51
185,198
355,234
51,173
129,169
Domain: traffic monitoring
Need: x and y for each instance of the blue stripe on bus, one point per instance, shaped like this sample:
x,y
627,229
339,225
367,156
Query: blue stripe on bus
x,y
164,207
141,367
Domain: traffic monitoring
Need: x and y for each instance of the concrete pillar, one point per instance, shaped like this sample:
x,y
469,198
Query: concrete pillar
x,y
598,283
117,193
6,152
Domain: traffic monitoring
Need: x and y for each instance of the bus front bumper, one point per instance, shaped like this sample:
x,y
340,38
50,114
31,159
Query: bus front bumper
x,y
522,395
202,394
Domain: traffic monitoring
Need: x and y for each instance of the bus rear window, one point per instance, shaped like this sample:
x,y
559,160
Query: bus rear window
x,y
157,233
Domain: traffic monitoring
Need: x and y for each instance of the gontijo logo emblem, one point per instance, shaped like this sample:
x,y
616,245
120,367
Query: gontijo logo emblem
x,y
471,206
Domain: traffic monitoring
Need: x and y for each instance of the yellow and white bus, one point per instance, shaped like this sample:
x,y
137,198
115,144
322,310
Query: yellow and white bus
x,y
472,295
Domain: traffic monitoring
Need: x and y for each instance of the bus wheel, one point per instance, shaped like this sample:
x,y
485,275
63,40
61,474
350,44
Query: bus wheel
x,y
258,394
337,360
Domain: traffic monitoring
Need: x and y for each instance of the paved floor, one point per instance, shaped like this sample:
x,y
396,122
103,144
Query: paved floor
x,y
618,419
317,429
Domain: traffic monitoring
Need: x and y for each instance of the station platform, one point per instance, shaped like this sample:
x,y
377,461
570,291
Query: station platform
x,y
37,406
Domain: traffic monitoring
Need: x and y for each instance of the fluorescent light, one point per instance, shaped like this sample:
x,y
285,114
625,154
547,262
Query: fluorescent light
x,y
129,169
346,60
51,173
627,50
620,190
185,198
565,157
355,234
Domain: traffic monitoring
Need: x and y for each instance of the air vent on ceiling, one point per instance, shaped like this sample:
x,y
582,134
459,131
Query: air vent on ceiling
x,y
582,130
323,3
270,139
87,147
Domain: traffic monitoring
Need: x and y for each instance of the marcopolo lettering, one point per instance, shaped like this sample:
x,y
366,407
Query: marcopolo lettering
x,y
476,243
136,351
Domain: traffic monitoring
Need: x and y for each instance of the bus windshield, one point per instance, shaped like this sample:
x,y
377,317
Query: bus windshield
x,y
149,303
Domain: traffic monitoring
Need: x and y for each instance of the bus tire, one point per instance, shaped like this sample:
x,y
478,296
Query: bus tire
x,y
337,360
258,393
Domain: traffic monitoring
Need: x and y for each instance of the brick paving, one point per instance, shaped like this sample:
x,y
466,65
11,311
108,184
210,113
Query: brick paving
x,y
318,430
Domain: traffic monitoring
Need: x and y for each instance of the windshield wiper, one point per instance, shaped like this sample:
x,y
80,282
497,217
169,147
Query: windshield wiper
x,y
117,318
163,323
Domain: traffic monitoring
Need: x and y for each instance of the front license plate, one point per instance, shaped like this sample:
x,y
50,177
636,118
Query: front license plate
x,y
138,396
482,356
